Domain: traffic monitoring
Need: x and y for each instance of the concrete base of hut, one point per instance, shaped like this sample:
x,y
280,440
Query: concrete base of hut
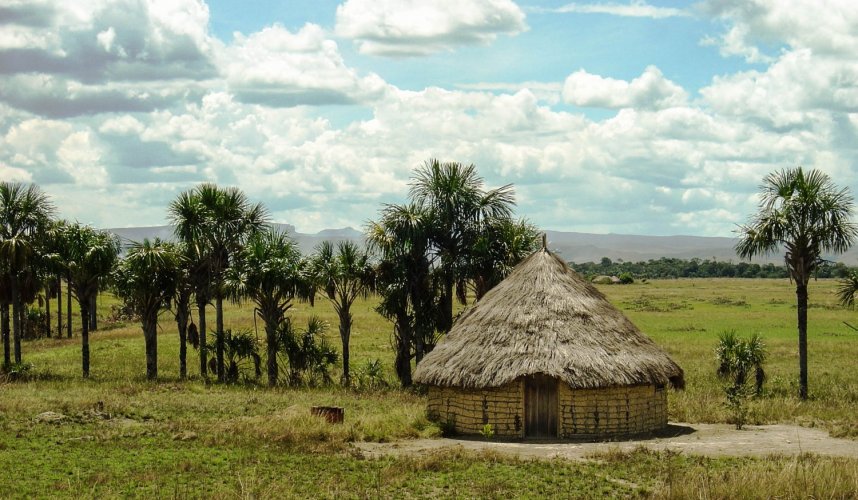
x,y
582,414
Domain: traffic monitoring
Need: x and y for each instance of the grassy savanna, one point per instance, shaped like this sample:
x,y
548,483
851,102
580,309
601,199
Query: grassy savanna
x,y
125,436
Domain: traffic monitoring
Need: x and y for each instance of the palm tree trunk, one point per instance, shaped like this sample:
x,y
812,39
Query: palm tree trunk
x,y
204,362
93,316
182,325
150,336
84,335
16,317
48,309
271,341
59,308
68,309
801,297
403,351
345,334
445,319
219,340
4,332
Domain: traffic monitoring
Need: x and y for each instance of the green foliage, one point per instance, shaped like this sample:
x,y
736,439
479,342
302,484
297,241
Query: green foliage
x,y
16,372
370,377
488,432
240,348
669,267
847,289
738,359
307,351
626,278
146,278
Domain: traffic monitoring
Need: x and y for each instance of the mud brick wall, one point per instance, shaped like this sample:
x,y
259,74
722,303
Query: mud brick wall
x,y
468,410
611,411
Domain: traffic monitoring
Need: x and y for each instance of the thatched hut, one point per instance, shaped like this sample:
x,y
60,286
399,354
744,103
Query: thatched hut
x,y
544,355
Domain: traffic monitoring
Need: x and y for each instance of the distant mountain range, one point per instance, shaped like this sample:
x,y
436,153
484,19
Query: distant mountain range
x,y
573,247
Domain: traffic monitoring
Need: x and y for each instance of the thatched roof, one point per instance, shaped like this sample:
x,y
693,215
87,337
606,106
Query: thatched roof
x,y
546,318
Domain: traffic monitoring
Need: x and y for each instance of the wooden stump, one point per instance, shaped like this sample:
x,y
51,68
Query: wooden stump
x,y
333,414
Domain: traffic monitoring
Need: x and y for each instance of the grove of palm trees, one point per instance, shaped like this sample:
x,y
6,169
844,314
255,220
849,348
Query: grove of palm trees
x,y
225,250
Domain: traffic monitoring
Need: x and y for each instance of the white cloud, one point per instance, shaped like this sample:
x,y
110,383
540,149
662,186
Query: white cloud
x,y
635,8
421,27
825,27
278,68
63,59
651,90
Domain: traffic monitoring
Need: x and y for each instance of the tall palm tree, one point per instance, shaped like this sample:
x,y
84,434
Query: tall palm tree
x,y
343,275
405,281
190,219
808,215
218,221
453,194
146,280
89,256
271,273
25,212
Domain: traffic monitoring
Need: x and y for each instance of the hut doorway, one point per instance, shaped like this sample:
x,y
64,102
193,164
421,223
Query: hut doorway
x,y
540,407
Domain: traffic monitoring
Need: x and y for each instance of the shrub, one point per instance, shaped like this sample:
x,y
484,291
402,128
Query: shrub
x,y
737,359
307,351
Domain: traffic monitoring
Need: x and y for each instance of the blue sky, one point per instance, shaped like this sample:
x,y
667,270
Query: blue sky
x,y
608,116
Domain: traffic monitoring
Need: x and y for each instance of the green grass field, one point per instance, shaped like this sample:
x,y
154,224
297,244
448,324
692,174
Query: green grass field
x,y
123,436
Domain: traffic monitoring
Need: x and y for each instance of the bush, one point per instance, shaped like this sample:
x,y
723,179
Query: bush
x,y
307,351
370,377
738,359
626,279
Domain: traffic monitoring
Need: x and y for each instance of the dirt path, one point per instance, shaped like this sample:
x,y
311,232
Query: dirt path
x,y
715,440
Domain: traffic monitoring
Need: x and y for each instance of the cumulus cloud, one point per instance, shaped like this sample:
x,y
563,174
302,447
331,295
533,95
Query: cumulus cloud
x,y
651,90
421,27
61,59
826,28
279,68
114,143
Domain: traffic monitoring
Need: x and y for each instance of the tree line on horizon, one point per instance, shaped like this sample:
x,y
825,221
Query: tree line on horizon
x,y
671,267
451,240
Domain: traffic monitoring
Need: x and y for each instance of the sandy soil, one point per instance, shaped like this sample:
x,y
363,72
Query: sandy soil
x,y
715,440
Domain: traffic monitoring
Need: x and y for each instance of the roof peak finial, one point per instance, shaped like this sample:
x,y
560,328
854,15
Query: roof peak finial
x,y
544,243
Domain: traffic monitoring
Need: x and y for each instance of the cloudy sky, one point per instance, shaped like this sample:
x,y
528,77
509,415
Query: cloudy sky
x,y
643,116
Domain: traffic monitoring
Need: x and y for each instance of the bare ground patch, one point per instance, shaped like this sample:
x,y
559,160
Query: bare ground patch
x,y
713,440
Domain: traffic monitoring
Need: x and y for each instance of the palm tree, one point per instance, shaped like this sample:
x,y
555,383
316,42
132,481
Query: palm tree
x,y
847,289
89,256
405,281
271,273
344,276
146,280
24,214
502,243
807,214
217,222
190,219
453,194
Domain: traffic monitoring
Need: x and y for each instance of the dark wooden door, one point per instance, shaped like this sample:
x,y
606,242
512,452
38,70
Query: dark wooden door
x,y
540,407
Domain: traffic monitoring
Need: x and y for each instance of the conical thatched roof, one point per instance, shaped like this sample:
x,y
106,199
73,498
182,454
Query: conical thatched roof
x,y
546,318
